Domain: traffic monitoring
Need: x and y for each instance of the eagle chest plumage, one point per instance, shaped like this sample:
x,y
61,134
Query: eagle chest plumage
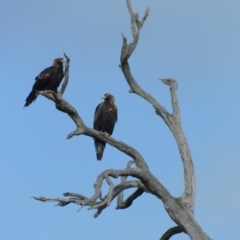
x,y
108,118
56,78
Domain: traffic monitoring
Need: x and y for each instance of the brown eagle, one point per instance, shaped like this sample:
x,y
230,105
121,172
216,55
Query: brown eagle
x,y
49,79
105,118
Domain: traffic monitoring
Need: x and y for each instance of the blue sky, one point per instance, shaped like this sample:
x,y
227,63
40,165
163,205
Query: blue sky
x,y
195,42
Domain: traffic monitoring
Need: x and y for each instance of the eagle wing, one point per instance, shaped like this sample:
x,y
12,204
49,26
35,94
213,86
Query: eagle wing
x,y
44,79
98,116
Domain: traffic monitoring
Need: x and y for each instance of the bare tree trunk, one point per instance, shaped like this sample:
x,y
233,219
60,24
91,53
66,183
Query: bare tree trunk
x,y
181,209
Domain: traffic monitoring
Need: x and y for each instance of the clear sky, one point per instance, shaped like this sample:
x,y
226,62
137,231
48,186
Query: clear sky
x,y
195,42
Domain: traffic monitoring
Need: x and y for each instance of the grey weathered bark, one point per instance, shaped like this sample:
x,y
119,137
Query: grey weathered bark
x,y
181,210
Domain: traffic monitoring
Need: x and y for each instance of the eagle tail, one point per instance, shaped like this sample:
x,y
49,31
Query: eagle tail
x,y
31,98
99,146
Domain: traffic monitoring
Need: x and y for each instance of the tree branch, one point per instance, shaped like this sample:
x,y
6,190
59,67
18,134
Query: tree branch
x,y
170,232
93,202
188,197
173,90
173,121
136,25
121,204
126,52
66,73
128,202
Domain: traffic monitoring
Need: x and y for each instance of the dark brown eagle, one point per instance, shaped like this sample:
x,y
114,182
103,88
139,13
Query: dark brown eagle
x,y
49,79
105,118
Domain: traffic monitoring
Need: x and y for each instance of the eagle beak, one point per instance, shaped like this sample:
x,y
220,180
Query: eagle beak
x,y
103,97
63,60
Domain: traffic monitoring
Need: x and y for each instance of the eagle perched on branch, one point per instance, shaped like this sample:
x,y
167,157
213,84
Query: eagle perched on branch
x,y
49,79
105,118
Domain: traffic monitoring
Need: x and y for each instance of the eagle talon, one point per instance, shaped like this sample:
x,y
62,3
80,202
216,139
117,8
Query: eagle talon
x,y
106,134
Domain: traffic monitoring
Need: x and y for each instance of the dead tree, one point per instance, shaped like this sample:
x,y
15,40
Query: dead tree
x,y
181,209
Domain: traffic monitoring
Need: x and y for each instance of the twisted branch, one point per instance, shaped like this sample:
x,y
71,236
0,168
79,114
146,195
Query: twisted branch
x,y
96,201
121,204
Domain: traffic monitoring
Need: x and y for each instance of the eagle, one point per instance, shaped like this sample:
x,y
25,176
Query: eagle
x,y
105,118
49,79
